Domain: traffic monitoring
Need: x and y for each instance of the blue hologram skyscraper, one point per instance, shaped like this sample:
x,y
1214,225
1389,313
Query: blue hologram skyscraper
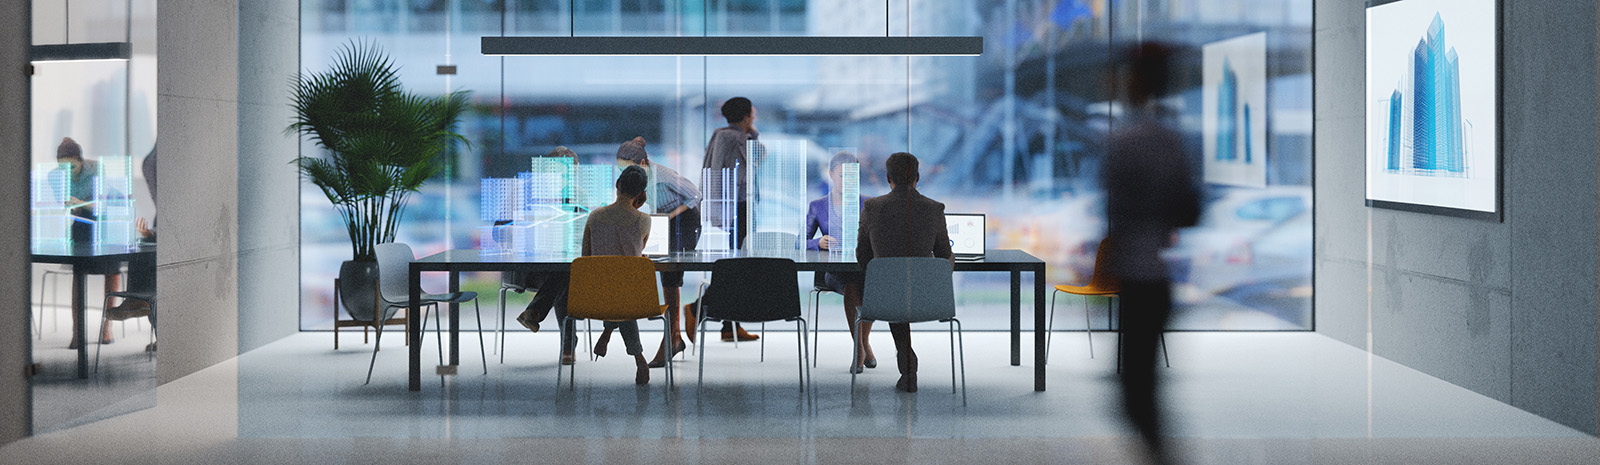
x,y
1227,114
1436,135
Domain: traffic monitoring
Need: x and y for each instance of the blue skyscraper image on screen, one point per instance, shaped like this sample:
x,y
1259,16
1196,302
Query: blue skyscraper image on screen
x,y
1433,109
1228,112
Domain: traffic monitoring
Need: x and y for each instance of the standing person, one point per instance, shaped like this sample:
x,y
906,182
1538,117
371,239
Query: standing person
x,y
1150,193
903,223
825,217
728,150
621,229
675,196
82,174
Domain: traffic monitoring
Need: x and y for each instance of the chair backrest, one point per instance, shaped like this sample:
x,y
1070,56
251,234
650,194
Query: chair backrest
x,y
613,288
753,290
908,290
1102,279
394,269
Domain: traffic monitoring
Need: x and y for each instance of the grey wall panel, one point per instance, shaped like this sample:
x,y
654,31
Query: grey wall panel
x,y
1551,149
269,214
197,118
1507,309
16,350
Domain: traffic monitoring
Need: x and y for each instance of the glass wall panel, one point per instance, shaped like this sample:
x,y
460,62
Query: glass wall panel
x,y
1017,133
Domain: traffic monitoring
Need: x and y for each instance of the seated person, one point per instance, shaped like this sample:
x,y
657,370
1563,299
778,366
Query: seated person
x,y
673,195
80,196
902,224
825,217
551,285
621,229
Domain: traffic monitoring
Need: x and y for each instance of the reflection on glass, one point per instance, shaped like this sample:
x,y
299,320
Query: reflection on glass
x,y
1025,153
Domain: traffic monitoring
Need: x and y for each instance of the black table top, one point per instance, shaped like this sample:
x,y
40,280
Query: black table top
x,y
88,252
809,260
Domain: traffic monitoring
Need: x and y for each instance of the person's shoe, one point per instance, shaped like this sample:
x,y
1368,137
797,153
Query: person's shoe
x,y
871,363
661,359
151,347
728,332
601,343
643,375
568,359
689,320
128,309
531,325
857,369
907,383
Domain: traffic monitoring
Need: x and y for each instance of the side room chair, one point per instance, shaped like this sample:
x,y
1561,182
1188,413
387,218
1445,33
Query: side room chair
x,y
913,290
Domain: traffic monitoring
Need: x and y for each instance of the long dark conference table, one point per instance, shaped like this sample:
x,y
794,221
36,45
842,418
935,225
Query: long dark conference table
x,y
457,261
81,258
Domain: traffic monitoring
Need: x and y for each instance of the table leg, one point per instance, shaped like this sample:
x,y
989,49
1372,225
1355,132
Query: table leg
x,y
80,317
1039,328
414,330
455,321
1016,318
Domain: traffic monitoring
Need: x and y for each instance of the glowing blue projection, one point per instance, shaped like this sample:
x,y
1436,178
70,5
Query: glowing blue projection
x,y
720,189
542,211
851,204
51,217
113,204
1425,113
778,218
595,186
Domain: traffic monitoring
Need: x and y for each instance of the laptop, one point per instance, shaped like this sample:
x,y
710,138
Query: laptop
x,y
968,235
655,246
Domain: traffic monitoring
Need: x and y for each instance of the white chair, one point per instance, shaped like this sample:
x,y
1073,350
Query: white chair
x,y
508,282
49,280
394,266
913,290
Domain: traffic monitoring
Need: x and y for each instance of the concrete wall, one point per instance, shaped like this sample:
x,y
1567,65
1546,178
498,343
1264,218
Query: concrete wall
x,y
1506,309
232,214
269,200
16,350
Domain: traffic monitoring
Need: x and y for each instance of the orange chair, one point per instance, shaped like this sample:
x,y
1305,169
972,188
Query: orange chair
x,y
1100,284
614,289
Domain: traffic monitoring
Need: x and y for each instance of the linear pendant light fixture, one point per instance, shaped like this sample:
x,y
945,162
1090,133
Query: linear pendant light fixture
x,y
732,46
85,51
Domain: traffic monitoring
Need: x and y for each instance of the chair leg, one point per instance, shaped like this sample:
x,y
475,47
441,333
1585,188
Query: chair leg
x,y
666,345
500,328
800,345
561,342
1164,356
482,355
962,340
85,339
1088,331
805,352
856,357
1050,327
374,361
763,341
702,328
816,311
953,356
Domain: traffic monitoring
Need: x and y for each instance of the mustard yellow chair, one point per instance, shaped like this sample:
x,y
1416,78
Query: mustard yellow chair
x,y
614,289
1101,284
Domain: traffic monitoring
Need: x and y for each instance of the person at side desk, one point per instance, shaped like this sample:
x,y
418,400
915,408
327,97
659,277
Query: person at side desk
x,y
80,195
621,229
902,223
673,195
824,218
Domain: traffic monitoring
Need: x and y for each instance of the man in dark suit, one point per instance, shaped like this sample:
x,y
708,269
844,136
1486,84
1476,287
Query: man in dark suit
x,y
903,223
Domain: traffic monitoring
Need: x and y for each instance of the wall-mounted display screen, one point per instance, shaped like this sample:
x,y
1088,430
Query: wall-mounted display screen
x,y
1432,106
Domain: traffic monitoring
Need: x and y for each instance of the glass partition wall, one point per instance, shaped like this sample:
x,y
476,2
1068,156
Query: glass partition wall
x,y
1017,133
92,153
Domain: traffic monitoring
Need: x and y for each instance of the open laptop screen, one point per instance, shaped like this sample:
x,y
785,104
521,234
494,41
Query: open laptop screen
x,y
967,233
656,244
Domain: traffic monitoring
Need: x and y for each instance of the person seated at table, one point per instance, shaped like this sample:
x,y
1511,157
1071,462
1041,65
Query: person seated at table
x,y
825,218
621,229
80,195
673,195
551,285
902,223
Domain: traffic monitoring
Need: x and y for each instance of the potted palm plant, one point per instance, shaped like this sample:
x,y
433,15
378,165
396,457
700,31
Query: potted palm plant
x,y
380,144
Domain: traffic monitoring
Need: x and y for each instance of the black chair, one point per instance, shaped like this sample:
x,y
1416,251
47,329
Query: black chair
x,y
755,290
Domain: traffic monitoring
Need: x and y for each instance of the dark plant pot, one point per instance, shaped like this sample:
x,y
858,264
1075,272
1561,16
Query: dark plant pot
x,y
358,289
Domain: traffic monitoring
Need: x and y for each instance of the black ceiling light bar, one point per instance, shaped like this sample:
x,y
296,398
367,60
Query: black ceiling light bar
x,y
81,51
732,46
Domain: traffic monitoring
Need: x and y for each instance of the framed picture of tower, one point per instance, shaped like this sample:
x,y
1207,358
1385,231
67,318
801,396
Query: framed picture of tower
x,y
1234,105
1432,107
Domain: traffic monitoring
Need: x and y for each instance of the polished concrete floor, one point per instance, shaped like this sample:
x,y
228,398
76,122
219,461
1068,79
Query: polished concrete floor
x,y
124,382
1233,398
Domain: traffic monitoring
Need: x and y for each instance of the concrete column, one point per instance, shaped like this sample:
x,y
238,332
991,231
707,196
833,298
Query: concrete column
x,y
16,350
